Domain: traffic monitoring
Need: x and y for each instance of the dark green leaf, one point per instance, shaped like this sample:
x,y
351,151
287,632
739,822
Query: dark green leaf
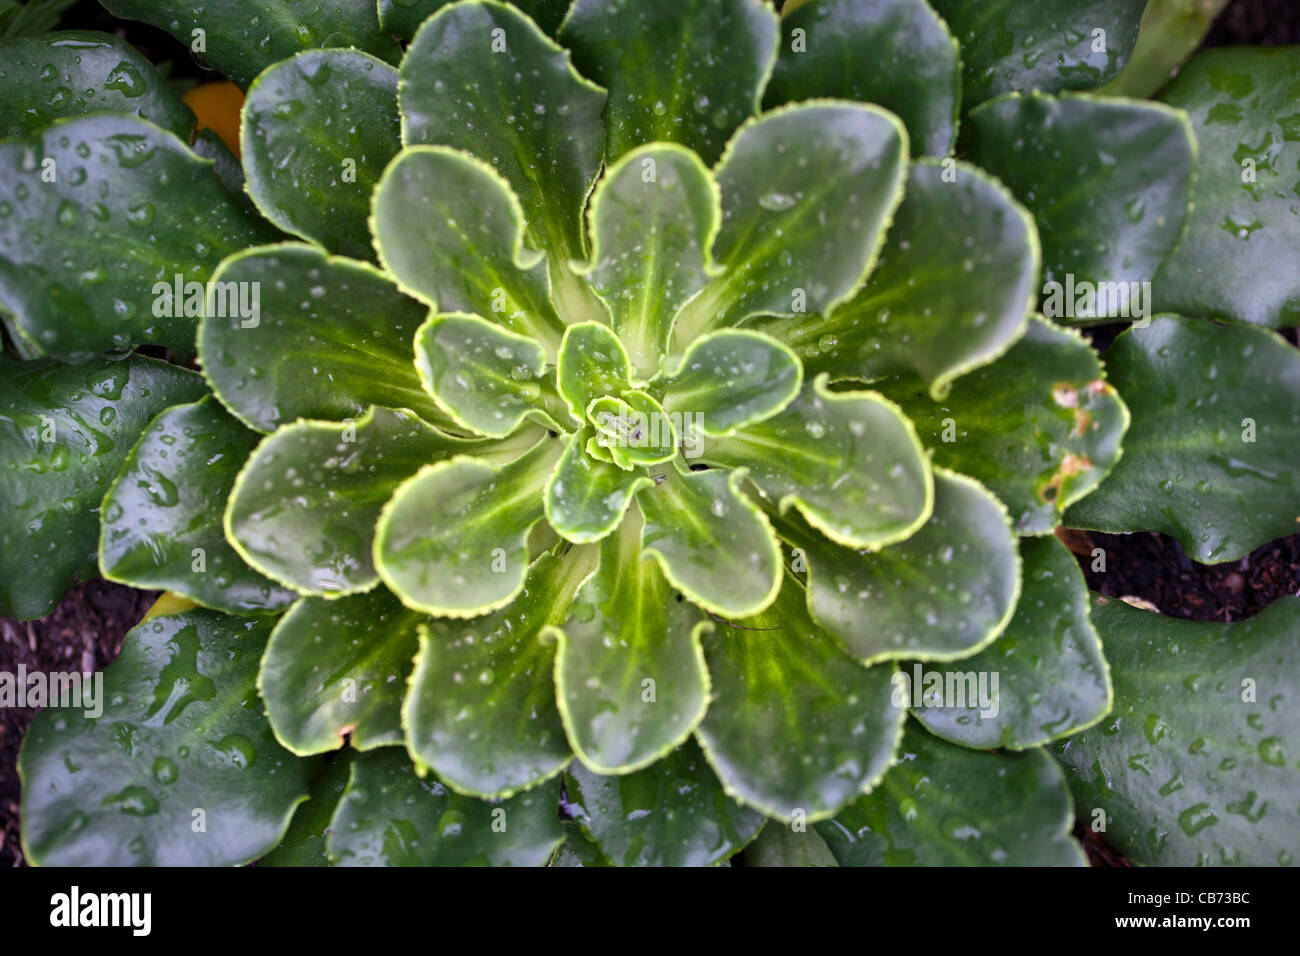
x,y
160,529
304,843
480,76
390,817
1045,677
954,287
942,594
782,845
943,805
318,130
330,338
687,72
1108,181
1040,427
404,17
895,53
99,215
1211,455
1243,223
1197,765
64,432
243,37
71,73
1049,45
673,813
179,769
797,727
481,711
304,508
335,667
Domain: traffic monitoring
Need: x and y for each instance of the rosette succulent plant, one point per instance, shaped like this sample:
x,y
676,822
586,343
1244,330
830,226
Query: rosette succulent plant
x,y
634,432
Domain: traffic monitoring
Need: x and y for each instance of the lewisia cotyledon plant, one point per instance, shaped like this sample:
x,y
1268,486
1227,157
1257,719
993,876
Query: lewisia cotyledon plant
x,y
654,421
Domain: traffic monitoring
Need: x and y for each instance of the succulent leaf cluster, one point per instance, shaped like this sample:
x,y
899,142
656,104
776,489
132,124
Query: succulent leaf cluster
x,y
623,431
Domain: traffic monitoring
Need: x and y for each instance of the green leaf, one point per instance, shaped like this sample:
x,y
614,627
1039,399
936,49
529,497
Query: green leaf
x,y
796,727
180,738
227,166
241,38
463,86
635,429
688,72
1050,45
98,215
578,850
712,542
943,805
390,817
304,843
452,232
807,191
65,430
1108,181
942,594
31,16
318,130
1051,676
329,338
585,498
481,711
629,674
895,53
1197,765
75,72
731,379
304,507
1210,457
486,378
781,845
592,364
336,667
159,529
1040,427
404,17
954,287
653,219
1170,32
453,540
1242,104
849,461
673,813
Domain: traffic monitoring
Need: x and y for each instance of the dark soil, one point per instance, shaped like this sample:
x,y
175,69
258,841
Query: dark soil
x,y
85,632
1257,22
